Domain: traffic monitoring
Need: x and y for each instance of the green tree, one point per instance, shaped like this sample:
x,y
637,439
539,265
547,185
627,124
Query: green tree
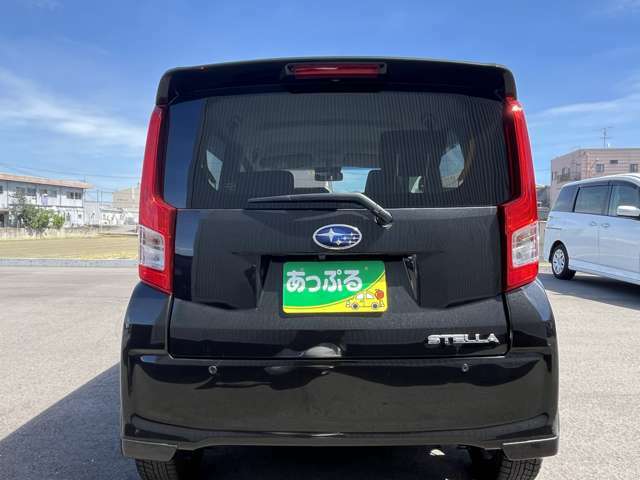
x,y
17,210
57,221
34,218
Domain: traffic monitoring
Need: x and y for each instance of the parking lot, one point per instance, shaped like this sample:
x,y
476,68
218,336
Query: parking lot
x,y
59,346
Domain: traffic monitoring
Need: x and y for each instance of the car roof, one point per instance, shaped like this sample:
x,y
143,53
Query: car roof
x,y
632,177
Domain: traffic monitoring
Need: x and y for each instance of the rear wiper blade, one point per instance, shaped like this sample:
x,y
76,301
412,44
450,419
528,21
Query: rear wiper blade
x,y
383,217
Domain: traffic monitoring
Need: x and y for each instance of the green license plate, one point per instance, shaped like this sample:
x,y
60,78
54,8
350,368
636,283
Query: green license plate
x,y
334,287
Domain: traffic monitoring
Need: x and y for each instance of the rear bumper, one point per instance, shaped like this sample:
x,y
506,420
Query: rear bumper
x,y
164,450
503,402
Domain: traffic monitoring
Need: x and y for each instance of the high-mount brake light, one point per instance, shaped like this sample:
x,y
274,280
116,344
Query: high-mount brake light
x,y
336,70
157,218
520,214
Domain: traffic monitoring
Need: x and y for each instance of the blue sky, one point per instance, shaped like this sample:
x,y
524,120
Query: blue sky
x,y
78,78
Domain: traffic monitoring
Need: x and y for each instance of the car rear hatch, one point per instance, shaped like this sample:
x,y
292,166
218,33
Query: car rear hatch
x,y
338,208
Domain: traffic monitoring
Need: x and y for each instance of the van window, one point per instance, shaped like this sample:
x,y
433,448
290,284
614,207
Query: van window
x,y
592,199
402,149
564,202
452,166
214,169
627,195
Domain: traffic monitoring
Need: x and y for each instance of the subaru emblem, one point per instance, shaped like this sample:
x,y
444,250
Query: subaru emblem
x,y
337,237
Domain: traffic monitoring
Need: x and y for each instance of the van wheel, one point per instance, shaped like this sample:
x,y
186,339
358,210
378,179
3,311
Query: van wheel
x,y
488,465
183,466
560,263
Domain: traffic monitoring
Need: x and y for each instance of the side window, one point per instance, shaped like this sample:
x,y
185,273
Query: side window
x,y
416,184
451,167
564,203
214,167
592,200
627,195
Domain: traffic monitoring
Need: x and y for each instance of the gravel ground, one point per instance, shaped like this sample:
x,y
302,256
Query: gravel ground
x,y
59,344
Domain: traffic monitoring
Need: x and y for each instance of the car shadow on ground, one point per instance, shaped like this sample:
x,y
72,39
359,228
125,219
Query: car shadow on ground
x,y
77,439
591,287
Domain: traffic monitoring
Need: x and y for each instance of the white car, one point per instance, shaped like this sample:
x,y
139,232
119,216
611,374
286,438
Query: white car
x,y
594,227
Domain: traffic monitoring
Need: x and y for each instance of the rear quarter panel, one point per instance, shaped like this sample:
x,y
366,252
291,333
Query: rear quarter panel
x,y
561,227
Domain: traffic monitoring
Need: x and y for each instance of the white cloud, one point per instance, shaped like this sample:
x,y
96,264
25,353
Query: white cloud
x,y
44,4
560,129
621,108
623,6
624,109
23,103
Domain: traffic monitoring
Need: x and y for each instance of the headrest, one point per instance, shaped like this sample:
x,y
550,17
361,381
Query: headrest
x,y
410,152
264,184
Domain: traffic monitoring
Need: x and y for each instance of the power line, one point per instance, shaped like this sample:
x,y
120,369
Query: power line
x,y
92,175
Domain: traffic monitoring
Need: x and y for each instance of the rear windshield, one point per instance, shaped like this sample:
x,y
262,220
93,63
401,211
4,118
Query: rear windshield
x,y
402,149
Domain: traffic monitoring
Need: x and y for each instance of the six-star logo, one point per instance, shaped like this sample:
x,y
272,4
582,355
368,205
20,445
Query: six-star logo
x,y
337,237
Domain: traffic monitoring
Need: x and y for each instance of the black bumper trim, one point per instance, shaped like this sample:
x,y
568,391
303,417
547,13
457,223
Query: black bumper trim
x,y
523,447
159,452
542,447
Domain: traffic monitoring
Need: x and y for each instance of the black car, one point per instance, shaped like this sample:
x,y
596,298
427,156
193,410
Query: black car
x,y
339,252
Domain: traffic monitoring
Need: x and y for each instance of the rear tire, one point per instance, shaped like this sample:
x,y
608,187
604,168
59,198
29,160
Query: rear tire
x,y
183,466
495,466
560,263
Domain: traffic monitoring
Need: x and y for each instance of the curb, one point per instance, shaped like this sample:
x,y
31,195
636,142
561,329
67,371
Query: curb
x,y
65,262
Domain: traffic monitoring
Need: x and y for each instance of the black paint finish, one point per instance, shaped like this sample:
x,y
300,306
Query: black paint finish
x,y
219,363
224,255
483,80
498,402
443,270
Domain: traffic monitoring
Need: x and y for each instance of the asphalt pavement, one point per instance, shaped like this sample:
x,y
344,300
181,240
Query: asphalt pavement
x,y
59,345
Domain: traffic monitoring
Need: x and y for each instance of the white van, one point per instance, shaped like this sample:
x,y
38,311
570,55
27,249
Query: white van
x,y
594,227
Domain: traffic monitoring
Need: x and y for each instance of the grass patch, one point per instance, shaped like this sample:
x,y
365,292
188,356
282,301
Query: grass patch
x,y
101,247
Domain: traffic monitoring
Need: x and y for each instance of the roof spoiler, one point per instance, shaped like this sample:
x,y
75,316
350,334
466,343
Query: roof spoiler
x,y
483,80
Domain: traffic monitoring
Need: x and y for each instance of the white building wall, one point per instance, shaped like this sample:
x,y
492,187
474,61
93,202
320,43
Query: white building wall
x,y
4,195
4,204
104,213
66,201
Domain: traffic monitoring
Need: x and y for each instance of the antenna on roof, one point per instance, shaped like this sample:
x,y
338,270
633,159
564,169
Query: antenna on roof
x,y
605,136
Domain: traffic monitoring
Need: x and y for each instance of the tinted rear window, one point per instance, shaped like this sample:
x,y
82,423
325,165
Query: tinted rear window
x,y
402,149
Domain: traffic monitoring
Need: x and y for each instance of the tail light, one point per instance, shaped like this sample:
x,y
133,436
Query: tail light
x,y
157,218
520,215
336,70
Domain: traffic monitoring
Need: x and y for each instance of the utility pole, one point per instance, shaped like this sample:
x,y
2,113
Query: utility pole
x,y
605,136
99,197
